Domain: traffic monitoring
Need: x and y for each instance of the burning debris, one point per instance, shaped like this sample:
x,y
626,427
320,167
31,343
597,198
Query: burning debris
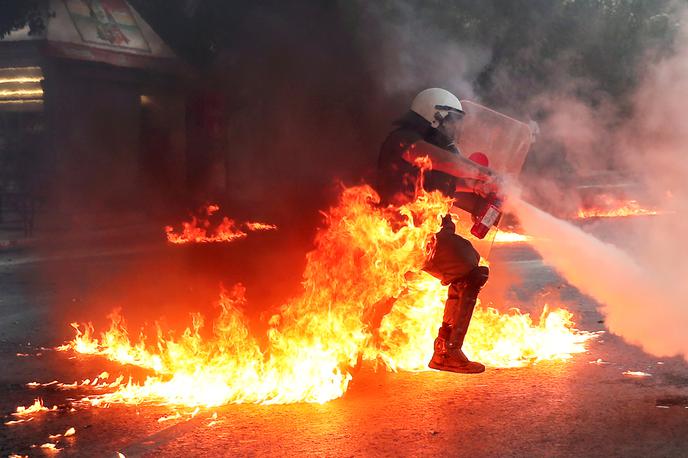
x,y
201,230
370,254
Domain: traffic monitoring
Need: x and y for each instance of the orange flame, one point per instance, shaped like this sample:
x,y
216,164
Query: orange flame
x,y
260,226
199,229
36,407
511,237
615,210
364,256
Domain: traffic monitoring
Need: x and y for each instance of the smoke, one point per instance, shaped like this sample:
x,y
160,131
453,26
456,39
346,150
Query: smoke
x,y
639,304
409,51
642,289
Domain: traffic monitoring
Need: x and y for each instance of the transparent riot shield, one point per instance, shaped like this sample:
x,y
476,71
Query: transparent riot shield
x,y
505,141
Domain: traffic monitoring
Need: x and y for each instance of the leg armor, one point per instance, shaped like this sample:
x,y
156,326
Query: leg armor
x,y
461,300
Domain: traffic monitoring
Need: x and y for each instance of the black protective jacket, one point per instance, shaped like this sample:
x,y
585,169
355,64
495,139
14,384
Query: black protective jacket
x,y
396,178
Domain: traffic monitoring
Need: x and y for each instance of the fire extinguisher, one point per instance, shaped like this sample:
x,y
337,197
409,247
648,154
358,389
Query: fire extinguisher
x,y
488,217
491,211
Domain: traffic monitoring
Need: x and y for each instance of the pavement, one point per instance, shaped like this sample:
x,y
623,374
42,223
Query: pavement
x,y
582,407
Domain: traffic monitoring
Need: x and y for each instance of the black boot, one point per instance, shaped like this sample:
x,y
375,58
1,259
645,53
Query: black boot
x,y
461,301
449,357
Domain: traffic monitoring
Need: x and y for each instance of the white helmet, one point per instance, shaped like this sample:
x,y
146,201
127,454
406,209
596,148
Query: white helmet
x,y
435,104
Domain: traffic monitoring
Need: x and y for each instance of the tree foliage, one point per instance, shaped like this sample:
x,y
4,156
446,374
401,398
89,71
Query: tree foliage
x,y
532,42
17,14
601,41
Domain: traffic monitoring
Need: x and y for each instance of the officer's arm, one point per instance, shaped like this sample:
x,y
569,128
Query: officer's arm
x,y
444,161
466,185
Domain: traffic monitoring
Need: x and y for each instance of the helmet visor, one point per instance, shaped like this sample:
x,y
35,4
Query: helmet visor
x,y
449,109
452,125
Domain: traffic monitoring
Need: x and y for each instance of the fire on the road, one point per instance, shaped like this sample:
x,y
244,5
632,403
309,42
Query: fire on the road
x,y
616,210
200,229
364,256
511,237
37,406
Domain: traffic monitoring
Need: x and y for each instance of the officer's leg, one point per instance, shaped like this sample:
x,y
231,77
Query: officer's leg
x,y
462,313
455,262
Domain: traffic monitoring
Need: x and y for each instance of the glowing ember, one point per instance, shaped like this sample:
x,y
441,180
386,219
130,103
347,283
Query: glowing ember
x,y
201,230
616,210
364,256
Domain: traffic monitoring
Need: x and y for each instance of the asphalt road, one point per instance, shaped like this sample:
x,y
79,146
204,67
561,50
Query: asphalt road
x,y
574,408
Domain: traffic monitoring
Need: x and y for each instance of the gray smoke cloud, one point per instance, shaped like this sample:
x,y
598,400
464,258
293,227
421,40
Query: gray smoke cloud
x,y
641,305
407,52
641,288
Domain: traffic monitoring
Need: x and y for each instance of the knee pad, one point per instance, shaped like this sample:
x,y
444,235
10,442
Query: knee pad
x,y
470,283
476,278
455,290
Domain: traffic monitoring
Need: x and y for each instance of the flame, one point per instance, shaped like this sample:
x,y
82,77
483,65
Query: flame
x,y
365,256
260,226
199,230
511,237
36,407
614,209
